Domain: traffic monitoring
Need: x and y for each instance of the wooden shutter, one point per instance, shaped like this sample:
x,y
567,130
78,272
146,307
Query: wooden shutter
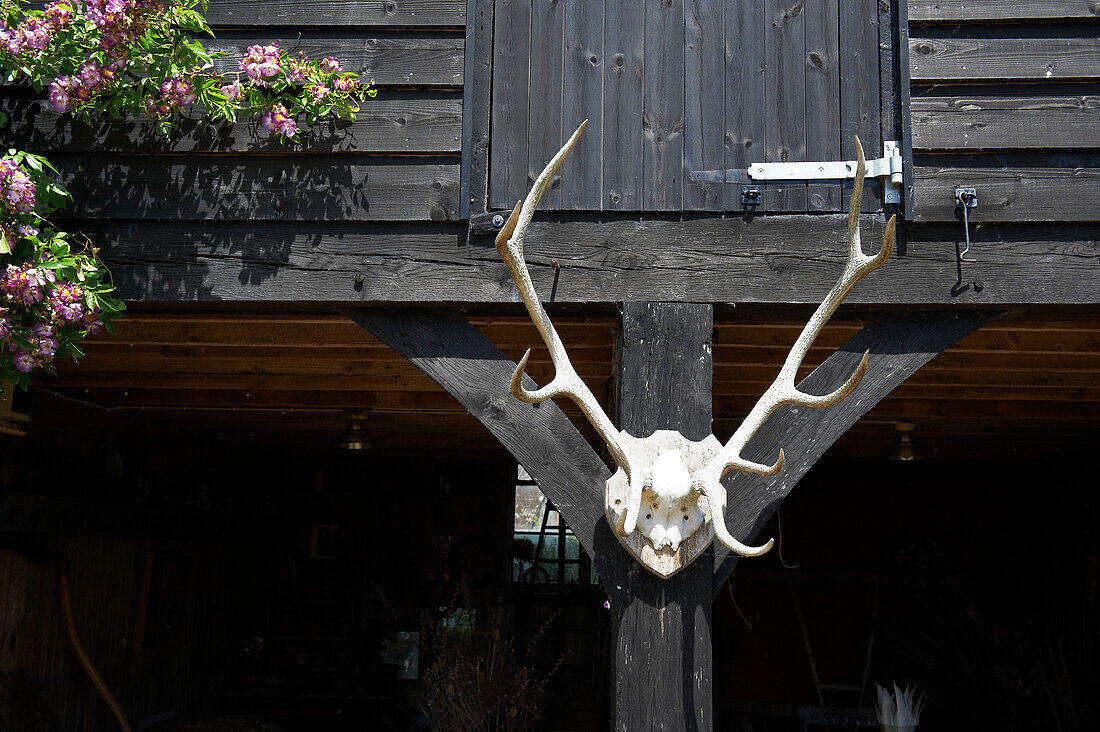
x,y
675,86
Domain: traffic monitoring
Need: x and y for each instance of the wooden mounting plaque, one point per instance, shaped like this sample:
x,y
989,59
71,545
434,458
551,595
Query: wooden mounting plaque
x,y
662,562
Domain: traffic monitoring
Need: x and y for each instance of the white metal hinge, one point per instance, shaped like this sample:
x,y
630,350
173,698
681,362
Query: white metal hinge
x,y
887,169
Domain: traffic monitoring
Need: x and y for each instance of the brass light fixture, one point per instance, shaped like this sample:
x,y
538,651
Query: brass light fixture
x,y
905,447
354,436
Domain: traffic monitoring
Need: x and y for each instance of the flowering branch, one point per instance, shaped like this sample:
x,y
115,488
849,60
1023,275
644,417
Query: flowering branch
x,y
119,58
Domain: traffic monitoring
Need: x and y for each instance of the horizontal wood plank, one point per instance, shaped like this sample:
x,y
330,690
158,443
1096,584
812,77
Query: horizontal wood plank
x,y
932,11
766,260
395,13
960,59
261,188
421,124
1006,123
402,60
1009,194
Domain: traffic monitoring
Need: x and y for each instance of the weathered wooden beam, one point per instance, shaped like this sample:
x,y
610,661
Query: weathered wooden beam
x,y
408,59
954,59
244,187
1009,193
899,344
1005,123
352,13
768,260
428,123
507,156
476,106
464,362
953,11
663,657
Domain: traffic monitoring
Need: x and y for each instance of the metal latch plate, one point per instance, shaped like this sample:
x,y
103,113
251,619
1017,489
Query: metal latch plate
x,y
888,169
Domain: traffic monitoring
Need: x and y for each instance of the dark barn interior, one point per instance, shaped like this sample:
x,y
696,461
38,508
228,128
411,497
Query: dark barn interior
x,y
229,559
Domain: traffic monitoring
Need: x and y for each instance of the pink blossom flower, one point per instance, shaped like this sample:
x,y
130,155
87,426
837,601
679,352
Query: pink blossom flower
x,y
277,119
23,360
66,302
318,91
296,70
44,339
233,91
59,14
91,322
32,34
89,75
331,65
345,83
59,94
178,91
156,108
17,187
261,63
23,283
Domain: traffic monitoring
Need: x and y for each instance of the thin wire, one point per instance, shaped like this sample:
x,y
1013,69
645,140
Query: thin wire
x,y
729,586
782,561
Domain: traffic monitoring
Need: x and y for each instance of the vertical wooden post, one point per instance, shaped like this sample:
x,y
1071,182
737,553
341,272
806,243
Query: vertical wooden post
x,y
663,662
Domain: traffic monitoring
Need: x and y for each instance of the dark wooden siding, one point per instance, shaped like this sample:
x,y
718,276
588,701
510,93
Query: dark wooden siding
x,y
399,162
669,88
1006,99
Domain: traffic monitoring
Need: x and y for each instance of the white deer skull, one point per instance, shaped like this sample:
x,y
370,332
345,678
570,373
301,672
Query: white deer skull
x,y
652,501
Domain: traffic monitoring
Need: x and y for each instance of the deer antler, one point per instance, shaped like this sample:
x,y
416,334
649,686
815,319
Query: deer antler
x,y
708,481
566,382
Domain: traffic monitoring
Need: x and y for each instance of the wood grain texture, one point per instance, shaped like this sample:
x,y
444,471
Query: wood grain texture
x,y
258,188
544,137
582,98
899,344
785,108
1006,123
932,11
477,108
745,95
663,654
623,71
960,59
423,124
823,100
1010,194
860,108
770,260
393,13
704,102
509,118
904,103
409,59
447,348
663,110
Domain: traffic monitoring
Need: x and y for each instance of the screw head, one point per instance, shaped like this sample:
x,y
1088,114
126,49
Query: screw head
x,y
498,221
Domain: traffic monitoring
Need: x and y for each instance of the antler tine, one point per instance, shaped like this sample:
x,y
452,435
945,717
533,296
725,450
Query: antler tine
x,y
566,381
783,390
